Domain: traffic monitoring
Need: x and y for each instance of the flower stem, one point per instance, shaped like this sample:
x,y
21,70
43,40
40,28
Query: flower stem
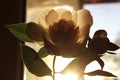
x,y
54,67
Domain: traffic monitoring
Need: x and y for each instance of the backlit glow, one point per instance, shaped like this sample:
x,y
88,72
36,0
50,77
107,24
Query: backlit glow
x,y
61,64
93,78
70,8
102,19
70,76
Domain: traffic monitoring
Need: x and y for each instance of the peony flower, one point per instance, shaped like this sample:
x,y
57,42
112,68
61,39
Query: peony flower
x,y
63,32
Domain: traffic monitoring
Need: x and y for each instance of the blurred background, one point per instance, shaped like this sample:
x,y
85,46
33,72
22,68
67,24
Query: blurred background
x,y
106,15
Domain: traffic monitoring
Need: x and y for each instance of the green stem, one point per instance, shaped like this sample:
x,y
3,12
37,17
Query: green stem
x,y
54,67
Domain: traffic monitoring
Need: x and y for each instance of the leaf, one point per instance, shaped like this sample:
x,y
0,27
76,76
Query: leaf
x,y
42,52
100,73
111,52
100,61
79,64
19,30
33,63
113,46
51,48
91,56
35,31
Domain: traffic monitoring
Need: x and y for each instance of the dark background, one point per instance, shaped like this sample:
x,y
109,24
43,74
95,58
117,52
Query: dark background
x,y
11,12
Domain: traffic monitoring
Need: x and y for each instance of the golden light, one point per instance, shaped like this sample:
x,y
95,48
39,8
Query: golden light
x,y
91,67
93,78
70,76
70,8
61,63
32,14
48,78
58,76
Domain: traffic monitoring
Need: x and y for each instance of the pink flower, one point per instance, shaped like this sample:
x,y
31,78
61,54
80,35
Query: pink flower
x,y
63,32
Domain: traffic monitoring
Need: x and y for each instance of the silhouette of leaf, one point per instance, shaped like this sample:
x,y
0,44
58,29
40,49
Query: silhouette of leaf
x,y
79,64
42,52
19,31
100,61
100,73
113,46
33,63
35,31
111,53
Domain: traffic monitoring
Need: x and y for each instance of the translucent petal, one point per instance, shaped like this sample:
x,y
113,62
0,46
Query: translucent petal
x,y
74,17
60,11
52,17
84,18
84,22
66,15
84,33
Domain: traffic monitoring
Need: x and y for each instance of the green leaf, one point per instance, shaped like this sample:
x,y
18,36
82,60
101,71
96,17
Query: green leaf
x,y
42,52
33,63
100,73
19,30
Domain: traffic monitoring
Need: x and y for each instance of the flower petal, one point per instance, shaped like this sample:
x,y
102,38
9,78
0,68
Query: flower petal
x,y
52,17
84,23
60,11
74,16
66,15
84,33
84,18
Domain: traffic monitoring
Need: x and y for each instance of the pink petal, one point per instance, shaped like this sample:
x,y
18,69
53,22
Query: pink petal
x,y
74,17
66,15
52,17
84,22
84,18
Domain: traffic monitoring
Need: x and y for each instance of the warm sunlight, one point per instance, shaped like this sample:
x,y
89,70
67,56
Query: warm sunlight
x,y
70,8
91,67
94,78
68,76
71,76
59,76
62,63
102,19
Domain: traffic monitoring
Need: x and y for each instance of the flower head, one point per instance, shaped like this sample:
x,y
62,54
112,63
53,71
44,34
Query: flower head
x,y
65,32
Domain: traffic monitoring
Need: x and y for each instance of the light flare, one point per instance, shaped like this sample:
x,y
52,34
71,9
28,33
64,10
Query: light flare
x,y
68,76
70,8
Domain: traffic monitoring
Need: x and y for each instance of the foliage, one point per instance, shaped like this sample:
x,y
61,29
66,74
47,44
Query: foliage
x,y
66,35
34,63
19,30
